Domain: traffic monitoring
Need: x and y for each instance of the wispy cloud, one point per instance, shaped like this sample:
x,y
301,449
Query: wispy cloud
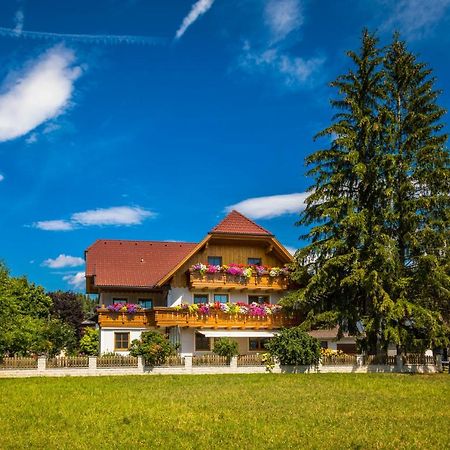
x,y
76,281
114,216
293,71
198,8
2,177
41,92
54,225
63,261
290,249
19,19
414,18
273,55
283,17
106,39
271,206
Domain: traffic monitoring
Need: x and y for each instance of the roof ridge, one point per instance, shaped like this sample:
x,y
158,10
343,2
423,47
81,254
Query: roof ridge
x,y
224,226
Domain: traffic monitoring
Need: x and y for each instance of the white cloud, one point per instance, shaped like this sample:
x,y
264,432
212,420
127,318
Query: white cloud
x,y
2,177
293,71
41,92
114,216
63,261
271,206
290,249
283,17
198,8
19,19
118,215
414,18
54,225
77,281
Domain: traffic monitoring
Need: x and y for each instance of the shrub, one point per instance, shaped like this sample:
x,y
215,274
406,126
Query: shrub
x,y
226,347
293,346
89,343
153,346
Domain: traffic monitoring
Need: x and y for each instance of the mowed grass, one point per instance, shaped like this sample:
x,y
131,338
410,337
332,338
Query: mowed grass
x,y
227,411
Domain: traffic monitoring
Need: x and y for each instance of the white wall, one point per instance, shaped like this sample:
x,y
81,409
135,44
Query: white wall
x,y
177,296
187,340
107,338
106,298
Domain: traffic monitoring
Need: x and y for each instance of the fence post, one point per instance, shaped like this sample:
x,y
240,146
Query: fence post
x,y
439,362
188,363
233,362
359,360
140,364
399,363
92,363
42,364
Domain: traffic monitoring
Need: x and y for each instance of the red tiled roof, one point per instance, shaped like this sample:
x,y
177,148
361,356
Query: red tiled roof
x,y
133,263
236,223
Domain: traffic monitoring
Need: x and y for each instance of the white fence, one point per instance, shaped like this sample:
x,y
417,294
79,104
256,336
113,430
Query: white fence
x,y
128,365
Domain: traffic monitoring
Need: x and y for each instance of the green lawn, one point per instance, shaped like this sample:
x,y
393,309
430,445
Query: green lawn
x,y
227,411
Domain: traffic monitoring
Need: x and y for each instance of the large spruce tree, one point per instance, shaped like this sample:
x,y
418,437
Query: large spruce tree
x,y
378,211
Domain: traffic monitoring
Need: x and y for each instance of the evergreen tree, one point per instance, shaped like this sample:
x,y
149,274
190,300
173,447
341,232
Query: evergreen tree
x,y
378,210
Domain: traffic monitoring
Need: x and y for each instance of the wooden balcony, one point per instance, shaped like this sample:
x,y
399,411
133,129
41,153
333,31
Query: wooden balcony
x,y
170,317
223,281
140,319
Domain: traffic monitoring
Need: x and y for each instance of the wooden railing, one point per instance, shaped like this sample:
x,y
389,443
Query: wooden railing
x,y
67,361
210,360
169,317
250,360
173,361
110,361
18,362
338,360
226,281
417,358
139,319
380,360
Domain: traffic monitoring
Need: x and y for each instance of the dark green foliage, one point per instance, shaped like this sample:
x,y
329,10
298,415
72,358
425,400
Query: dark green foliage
x,y
68,307
89,343
25,324
153,346
294,347
379,207
226,347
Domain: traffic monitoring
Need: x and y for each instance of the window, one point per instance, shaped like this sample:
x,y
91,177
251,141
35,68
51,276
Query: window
x,y
121,341
254,261
260,299
221,298
146,303
201,298
122,301
215,260
257,344
202,343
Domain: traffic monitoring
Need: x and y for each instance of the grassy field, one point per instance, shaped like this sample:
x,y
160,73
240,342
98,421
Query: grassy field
x,y
227,411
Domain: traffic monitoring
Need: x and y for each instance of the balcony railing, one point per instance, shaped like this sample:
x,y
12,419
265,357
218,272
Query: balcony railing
x,y
227,281
139,319
170,317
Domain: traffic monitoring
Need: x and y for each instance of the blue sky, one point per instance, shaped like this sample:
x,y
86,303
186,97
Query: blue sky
x,y
148,119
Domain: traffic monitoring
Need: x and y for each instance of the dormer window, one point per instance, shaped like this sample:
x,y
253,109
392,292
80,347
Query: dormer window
x,y
215,260
254,261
